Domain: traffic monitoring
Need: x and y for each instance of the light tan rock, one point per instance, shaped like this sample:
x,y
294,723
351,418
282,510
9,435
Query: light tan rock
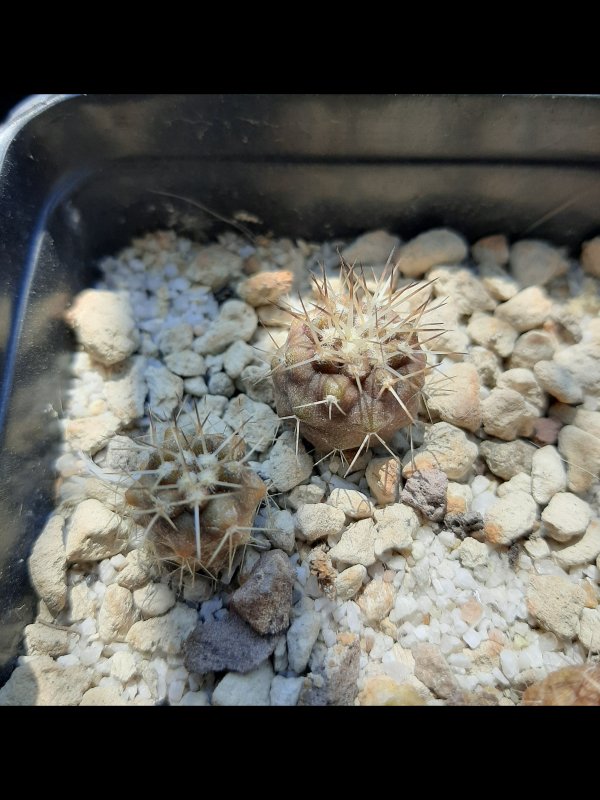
x,y
126,389
458,498
260,426
531,347
473,553
558,381
164,634
47,640
103,696
90,434
153,599
319,520
510,518
396,526
523,382
356,545
548,474
48,564
465,291
237,320
138,570
349,581
94,532
535,263
306,493
487,364
444,447
491,249
556,604
507,415
589,629
371,249
42,682
384,478
353,503
265,287
376,601
590,256
117,613
493,333
380,690
565,516
104,325
520,482
438,246
585,551
579,445
214,266
454,397
527,310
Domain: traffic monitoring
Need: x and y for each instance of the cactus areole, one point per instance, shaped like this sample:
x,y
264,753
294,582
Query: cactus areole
x,y
352,369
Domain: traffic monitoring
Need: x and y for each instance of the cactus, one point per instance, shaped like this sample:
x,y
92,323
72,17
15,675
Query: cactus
x,y
193,494
352,369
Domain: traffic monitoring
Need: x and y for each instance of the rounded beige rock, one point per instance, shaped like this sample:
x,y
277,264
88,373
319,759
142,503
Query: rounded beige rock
x,y
104,325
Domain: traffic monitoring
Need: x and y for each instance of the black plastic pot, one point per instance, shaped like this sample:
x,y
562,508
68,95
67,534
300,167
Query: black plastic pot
x,y
80,175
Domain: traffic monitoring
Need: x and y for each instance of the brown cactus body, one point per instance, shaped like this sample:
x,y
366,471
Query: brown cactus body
x,y
195,496
352,368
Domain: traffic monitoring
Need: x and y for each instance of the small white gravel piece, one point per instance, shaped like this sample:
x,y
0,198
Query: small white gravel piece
x,y
301,637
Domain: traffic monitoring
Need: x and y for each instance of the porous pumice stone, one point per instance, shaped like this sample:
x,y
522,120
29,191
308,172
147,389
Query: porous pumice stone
x,y
462,570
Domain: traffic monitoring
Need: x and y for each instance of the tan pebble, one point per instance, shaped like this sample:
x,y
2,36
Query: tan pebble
x,y
383,478
265,287
496,635
486,656
545,430
591,594
471,611
273,317
252,265
383,691
571,686
389,628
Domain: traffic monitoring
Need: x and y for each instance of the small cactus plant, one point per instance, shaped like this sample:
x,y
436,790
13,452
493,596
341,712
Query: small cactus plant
x,y
193,494
352,369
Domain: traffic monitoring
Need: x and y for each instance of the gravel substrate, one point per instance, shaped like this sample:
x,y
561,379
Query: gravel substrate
x,y
461,573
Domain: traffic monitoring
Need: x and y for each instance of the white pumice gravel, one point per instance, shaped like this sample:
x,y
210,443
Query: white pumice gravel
x,y
386,605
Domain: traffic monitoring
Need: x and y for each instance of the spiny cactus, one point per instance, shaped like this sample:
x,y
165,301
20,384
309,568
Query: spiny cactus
x,y
352,369
193,494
